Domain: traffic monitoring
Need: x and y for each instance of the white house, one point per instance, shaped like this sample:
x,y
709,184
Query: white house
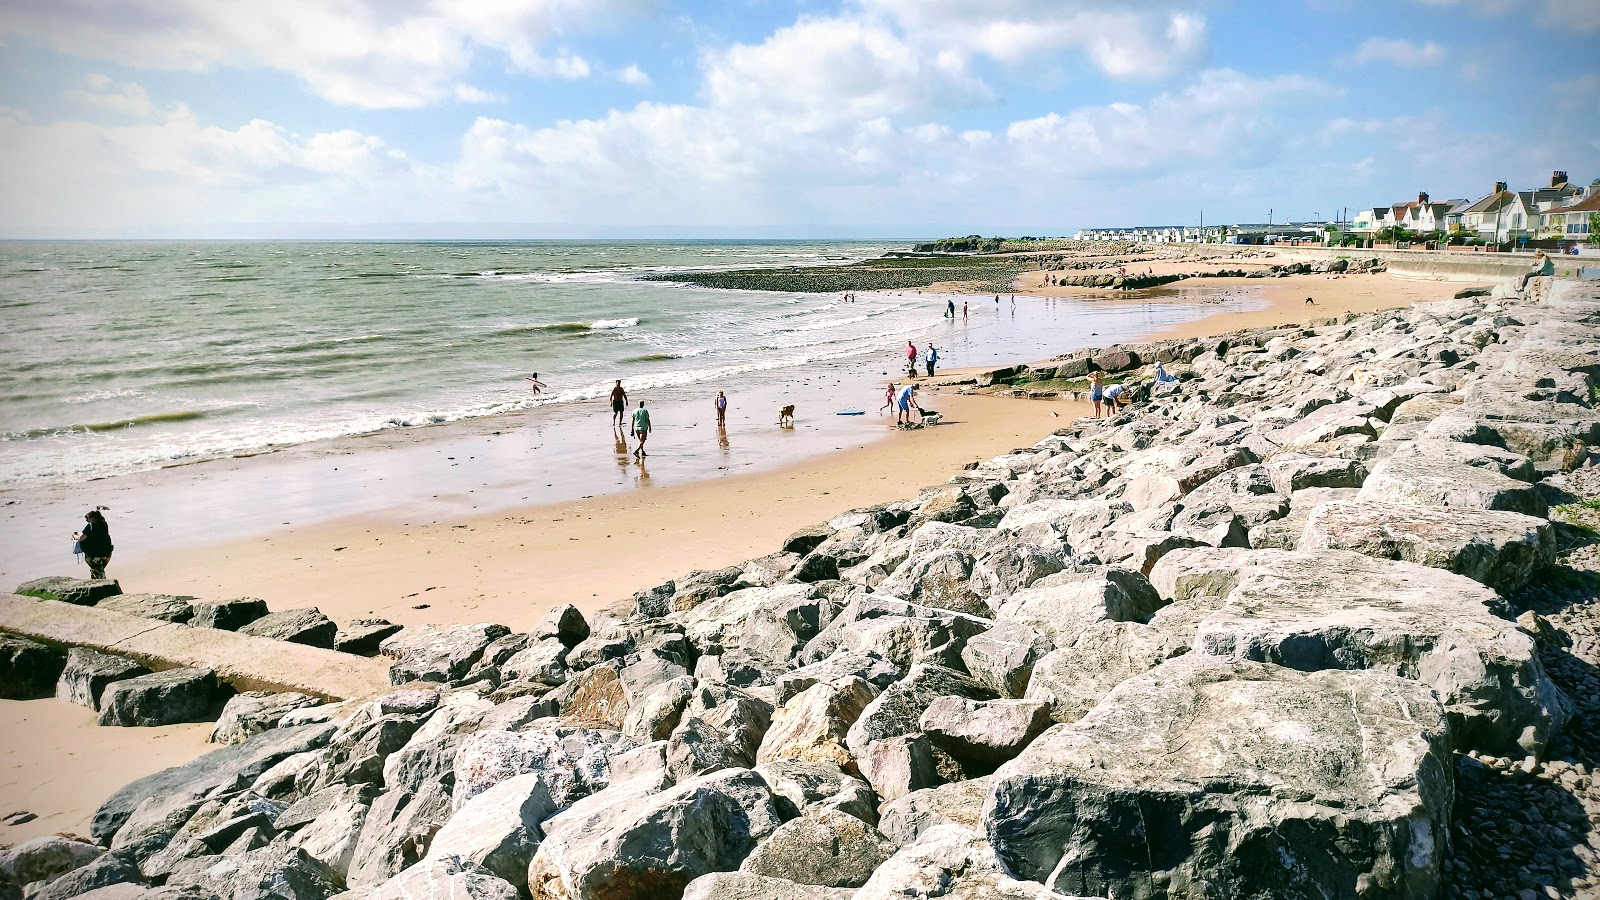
x,y
1499,215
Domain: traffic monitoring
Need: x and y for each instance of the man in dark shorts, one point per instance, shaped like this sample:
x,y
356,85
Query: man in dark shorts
x,y
619,404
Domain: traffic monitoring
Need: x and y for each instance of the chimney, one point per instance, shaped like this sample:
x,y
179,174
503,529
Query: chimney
x,y
1422,197
1558,178
1499,187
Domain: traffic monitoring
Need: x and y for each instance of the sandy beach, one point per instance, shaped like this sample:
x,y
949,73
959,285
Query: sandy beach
x,y
475,555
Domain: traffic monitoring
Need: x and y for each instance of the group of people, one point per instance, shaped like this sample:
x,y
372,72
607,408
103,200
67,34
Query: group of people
x,y
903,400
1109,399
639,426
929,359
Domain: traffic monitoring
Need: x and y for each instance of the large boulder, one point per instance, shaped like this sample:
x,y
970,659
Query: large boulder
x,y
499,828
277,872
898,710
88,673
949,861
396,833
1289,784
813,726
799,786
225,769
29,670
252,712
749,886
823,846
632,842
330,837
1339,610
46,858
363,637
573,761
77,591
166,607
989,731
442,653
1064,604
228,615
564,623
105,870
297,626
1072,680
1499,549
444,878
1414,479
1002,659
162,698
904,819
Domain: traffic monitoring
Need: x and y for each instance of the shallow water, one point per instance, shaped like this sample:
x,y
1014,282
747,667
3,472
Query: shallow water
x,y
122,357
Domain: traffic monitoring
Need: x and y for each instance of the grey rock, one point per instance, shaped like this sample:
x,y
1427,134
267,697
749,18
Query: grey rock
x,y
252,712
1061,606
440,653
308,809
1499,549
807,539
358,750
162,698
499,828
102,871
46,858
89,672
331,837
869,667
1336,609
1071,681
166,607
564,623
898,709
904,819
574,761
1002,659
271,873
28,669
297,626
226,769
798,786
444,878
813,725
363,637
748,886
77,591
228,615
634,842
897,765
544,662
953,862
596,695
990,731
1416,480
823,847
1290,784
396,833
654,716
697,747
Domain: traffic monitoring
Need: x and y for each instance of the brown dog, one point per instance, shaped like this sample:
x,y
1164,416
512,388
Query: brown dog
x,y
786,415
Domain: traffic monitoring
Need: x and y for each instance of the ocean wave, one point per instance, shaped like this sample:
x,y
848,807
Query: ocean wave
x,y
609,324
166,418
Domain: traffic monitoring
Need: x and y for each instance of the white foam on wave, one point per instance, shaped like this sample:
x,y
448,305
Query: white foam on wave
x,y
610,324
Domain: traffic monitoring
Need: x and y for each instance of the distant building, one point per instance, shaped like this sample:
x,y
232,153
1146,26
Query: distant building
x,y
1499,214
1570,221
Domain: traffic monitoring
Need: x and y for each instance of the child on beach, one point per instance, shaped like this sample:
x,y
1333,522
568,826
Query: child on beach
x,y
721,403
888,398
641,428
1096,395
538,386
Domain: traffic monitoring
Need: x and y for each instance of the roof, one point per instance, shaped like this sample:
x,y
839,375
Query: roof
x,y
1590,203
1492,202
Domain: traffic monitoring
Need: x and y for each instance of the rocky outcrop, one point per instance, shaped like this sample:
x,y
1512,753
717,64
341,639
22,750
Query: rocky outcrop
x,y
79,591
89,672
28,669
1243,640
162,698
228,615
297,626
165,607
1289,784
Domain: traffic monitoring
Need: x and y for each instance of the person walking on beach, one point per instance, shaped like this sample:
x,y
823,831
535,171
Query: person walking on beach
x,y
1096,395
95,542
907,401
641,429
963,309
538,386
932,358
950,309
619,403
888,399
911,354
721,403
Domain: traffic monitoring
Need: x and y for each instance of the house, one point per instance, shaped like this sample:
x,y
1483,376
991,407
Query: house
x,y
1368,220
1421,215
1570,222
1501,214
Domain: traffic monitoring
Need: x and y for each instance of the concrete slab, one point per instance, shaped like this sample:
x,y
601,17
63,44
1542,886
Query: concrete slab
x,y
245,662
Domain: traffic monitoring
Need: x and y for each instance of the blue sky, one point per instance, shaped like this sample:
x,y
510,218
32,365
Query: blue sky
x,y
548,118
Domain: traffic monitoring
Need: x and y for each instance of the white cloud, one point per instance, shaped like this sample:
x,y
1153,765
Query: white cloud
x,y
1398,52
633,75
365,53
1122,39
467,93
124,97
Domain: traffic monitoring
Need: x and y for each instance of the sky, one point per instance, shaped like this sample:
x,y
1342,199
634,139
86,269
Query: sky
x,y
773,118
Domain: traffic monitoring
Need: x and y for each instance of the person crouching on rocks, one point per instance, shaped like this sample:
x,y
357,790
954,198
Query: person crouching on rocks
x,y
95,542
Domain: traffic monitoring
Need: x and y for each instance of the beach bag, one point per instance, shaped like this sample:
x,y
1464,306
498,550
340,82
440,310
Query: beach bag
x,y
77,550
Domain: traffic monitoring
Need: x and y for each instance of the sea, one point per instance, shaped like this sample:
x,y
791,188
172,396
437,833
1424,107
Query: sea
x,y
127,356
